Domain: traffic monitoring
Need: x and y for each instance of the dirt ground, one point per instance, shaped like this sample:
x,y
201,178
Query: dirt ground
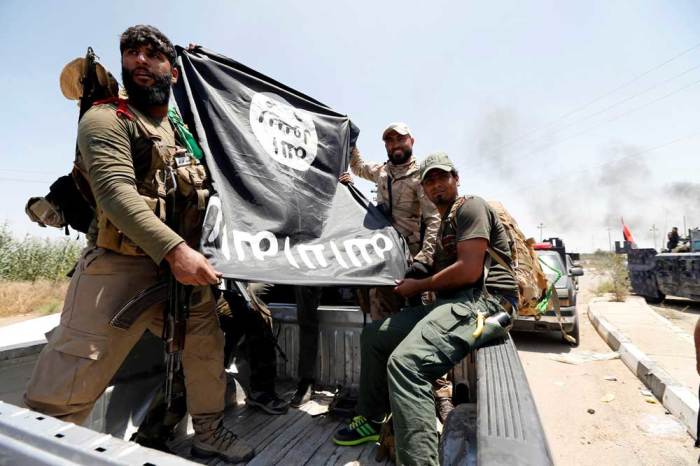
x,y
582,428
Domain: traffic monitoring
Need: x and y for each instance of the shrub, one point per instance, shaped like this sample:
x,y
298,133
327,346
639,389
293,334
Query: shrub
x,y
618,281
31,258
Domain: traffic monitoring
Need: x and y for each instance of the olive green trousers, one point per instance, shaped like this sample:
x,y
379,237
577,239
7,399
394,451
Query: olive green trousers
x,y
402,356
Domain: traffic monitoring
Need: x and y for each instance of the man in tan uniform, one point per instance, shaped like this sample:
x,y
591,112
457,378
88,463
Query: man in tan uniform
x,y
400,195
131,159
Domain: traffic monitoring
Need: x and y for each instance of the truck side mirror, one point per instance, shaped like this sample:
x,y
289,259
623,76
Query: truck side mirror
x,y
576,271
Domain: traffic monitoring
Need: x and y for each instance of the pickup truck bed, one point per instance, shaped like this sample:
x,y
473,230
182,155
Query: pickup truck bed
x,y
501,425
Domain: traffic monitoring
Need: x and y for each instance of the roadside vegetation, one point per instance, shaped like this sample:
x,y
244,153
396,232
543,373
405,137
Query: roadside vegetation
x,y
33,272
612,268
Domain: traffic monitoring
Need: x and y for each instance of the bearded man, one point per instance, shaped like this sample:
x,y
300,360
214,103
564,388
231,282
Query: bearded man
x,y
401,197
131,157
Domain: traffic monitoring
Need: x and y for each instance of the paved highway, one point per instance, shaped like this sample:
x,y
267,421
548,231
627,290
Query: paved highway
x,y
582,428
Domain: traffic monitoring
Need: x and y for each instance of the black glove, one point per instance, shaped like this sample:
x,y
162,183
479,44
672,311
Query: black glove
x,y
418,270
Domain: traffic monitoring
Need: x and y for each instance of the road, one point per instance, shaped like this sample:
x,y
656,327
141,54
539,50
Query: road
x,y
625,431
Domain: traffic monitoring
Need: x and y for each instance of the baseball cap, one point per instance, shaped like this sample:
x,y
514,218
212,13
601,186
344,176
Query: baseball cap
x,y
398,126
438,160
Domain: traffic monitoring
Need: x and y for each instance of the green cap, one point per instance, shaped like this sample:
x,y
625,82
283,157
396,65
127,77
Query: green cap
x,y
438,160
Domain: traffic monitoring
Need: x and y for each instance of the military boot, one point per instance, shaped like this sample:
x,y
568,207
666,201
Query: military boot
x,y
443,406
219,442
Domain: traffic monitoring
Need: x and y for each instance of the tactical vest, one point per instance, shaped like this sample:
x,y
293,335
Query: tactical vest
x,y
174,187
451,222
397,196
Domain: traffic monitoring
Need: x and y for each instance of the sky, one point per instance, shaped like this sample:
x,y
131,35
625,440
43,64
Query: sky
x,y
574,115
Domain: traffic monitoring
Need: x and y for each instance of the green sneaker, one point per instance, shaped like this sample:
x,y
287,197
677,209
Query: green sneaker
x,y
359,431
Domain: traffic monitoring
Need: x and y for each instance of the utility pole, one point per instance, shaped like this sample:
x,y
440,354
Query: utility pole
x,y
653,233
609,239
540,227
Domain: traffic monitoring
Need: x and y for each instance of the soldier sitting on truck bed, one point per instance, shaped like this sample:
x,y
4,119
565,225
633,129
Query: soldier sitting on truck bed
x,y
401,198
403,354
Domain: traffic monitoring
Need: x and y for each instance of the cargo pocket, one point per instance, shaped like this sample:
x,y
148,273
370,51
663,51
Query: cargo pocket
x,y
451,348
80,344
463,310
74,371
91,256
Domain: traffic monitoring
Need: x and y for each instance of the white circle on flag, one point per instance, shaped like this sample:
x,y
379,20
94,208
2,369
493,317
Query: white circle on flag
x,y
287,134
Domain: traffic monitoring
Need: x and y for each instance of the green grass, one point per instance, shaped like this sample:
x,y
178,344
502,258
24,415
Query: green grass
x,y
33,273
31,258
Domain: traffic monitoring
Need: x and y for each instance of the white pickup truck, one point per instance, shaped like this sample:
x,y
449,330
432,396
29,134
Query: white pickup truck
x,y
496,422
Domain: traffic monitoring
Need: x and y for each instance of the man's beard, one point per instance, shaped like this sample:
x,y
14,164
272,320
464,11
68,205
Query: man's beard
x,y
140,96
401,159
444,199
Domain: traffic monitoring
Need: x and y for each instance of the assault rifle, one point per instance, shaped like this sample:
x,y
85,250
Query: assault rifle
x,y
175,318
97,83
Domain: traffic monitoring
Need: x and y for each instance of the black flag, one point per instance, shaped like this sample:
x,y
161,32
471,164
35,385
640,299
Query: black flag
x,y
274,155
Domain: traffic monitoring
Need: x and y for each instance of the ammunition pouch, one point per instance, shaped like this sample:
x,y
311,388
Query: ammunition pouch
x,y
174,188
192,196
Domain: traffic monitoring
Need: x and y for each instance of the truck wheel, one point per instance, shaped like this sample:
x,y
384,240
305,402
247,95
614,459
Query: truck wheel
x,y
655,299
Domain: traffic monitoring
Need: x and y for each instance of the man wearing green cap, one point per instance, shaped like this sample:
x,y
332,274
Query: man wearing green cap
x,y
404,353
402,199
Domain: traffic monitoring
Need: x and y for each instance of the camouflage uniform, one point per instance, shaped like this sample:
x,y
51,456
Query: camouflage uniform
x,y
406,205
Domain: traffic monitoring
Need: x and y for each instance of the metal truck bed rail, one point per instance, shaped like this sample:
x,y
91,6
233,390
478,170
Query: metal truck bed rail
x,y
509,430
28,437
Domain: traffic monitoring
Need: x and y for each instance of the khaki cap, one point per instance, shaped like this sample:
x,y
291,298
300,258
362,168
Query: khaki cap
x,y
437,160
398,126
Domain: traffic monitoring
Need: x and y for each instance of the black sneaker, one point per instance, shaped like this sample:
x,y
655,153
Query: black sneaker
x,y
359,431
268,402
305,389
